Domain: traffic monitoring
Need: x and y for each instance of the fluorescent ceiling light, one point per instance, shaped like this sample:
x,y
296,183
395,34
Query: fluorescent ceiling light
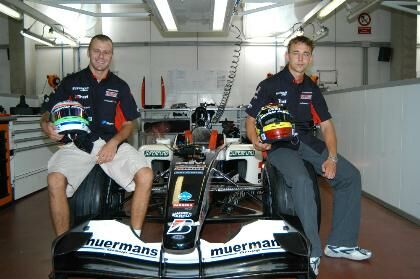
x,y
61,37
10,12
26,33
219,14
330,7
314,11
166,14
356,11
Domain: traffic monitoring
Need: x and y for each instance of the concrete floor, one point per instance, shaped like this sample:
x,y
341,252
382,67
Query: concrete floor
x,y
26,235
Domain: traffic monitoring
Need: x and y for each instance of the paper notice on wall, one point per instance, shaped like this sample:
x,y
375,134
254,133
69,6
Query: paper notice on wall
x,y
196,81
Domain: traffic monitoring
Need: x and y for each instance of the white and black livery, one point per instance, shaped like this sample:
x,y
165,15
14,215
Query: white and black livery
x,y
195,184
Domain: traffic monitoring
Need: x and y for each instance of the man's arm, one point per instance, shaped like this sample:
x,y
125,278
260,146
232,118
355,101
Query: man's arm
x,y
48,128
252,135
108,151
329,167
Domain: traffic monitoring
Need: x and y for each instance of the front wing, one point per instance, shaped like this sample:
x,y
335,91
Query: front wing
x,y
109,248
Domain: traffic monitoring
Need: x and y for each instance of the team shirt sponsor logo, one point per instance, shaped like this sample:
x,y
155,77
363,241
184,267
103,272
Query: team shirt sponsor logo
x,y
241,153
181,214
306,96
256,92
81,89
282,93
104,122
111,93
83,97
156,153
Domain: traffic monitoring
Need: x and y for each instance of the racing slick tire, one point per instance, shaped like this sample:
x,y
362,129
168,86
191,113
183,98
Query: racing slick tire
x,y
277,197
97,197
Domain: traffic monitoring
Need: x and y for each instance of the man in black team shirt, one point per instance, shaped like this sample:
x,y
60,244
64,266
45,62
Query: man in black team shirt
x,y
303,99
102,94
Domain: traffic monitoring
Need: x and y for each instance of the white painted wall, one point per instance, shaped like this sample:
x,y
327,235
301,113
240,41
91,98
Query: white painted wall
x,y
4,61
133,62
377,131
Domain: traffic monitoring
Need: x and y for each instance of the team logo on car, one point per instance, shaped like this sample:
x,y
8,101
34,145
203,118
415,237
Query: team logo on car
x,y
183,204
156,153
180,226
181,214
241,153
184,196
178,237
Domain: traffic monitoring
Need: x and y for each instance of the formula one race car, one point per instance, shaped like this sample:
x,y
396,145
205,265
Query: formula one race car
x,y
197,182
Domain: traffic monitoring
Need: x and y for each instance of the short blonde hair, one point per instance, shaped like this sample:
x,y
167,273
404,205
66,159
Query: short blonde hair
x,y
303,40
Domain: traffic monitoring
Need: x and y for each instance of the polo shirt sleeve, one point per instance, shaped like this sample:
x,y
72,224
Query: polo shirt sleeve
x,y
320,105
260,99
128,104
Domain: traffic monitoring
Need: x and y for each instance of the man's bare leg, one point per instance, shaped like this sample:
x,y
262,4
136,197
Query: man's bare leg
x,y
59,207
140,202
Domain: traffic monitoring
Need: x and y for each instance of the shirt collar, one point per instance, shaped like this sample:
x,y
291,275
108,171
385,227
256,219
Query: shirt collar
x,y
93,77
291,77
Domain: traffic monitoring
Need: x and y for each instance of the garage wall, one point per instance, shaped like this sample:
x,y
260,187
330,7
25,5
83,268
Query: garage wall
x,y
4,61
142,50
377,131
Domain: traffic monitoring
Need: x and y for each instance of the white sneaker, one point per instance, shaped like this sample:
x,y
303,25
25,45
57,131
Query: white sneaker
x,y
314,262
352,253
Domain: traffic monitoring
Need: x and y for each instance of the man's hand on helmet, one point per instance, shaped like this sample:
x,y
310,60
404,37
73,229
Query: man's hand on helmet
x,y
258,145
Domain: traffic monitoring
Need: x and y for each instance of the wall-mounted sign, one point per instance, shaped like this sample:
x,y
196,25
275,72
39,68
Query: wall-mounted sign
x,y
364,20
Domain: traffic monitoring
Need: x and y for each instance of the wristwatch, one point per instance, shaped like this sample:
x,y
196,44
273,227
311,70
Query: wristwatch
x,y
333,158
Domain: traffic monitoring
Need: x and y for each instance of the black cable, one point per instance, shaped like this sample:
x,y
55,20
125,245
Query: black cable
x,y
231,77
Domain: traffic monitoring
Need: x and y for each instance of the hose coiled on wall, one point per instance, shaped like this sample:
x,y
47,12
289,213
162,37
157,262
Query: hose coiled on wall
x,y
231,77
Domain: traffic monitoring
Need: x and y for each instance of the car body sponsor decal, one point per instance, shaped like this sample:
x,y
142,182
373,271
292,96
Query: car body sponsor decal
x,y
180,226
183,204
241,153
184,196
156,153
181,214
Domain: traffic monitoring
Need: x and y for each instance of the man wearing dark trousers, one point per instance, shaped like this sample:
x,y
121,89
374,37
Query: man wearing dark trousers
x,y
103,95
303,99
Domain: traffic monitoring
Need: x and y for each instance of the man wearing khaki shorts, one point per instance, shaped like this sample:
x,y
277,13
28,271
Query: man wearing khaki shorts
x,y
103,95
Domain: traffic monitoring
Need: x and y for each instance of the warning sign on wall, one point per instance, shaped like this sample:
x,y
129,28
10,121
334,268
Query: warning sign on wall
x,y
364,30
364,20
